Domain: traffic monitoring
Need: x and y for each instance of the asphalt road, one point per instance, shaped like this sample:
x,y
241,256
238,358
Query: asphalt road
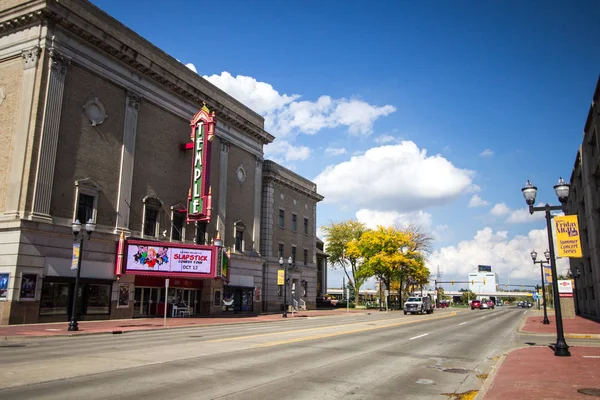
x,y
377,356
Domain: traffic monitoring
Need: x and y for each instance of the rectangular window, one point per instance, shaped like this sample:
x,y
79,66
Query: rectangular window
x,y
85,208
55,298
281,218
150,222
294,222
305,256
280,255
293,254
239,240
306,226
200,232
177,225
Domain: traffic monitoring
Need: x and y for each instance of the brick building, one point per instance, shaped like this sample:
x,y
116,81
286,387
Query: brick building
x,y
95,124
584,200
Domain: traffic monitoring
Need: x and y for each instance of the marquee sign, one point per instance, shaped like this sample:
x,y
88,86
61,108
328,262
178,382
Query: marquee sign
x,y
169,259
200,194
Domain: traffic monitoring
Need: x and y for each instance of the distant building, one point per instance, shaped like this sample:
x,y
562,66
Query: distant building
x,y
483,282
584,200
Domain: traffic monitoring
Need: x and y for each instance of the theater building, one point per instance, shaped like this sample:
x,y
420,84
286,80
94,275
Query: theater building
x,y
99,125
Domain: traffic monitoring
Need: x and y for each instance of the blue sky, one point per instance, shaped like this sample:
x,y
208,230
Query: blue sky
x,y
435,112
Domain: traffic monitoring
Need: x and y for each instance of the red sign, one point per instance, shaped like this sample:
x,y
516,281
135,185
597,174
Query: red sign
x,y
143,257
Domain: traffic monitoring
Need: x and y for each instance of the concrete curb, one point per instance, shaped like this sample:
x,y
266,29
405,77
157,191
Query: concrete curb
x,y
491,376
160,328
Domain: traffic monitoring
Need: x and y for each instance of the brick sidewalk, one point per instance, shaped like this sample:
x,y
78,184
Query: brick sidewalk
x,y
573,327
535,373
142,324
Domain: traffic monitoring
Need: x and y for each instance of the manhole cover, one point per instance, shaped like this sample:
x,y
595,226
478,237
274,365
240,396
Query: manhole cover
x,y
456,370
590,392
13,345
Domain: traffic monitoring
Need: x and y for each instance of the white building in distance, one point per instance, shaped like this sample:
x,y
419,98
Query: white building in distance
x,y
484,281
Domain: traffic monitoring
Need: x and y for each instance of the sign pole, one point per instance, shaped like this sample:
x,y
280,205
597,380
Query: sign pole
x,y
166,302
347,300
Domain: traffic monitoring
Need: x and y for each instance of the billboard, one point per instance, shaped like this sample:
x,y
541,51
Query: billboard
x,y
484,268
567,236
565,288
155,258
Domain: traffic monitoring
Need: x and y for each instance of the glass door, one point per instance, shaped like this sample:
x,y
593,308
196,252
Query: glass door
x,y
137,302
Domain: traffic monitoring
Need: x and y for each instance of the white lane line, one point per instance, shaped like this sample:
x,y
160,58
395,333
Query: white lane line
x,y
416,337
483,317
591,356
525,313
462,323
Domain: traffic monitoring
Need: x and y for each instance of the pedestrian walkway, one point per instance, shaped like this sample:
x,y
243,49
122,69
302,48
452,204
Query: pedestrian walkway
x,y
535,373
142,324
576,327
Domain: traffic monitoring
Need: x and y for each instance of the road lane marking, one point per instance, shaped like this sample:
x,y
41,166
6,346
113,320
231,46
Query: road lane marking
x,y
416,337
333,334
462,323
525,313
483,317
591,356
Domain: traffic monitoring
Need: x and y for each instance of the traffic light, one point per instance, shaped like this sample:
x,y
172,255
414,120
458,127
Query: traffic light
x,y
484,281
453,282
472,281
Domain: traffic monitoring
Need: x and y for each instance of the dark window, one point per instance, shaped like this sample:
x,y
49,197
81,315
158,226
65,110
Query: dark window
x,y
305,256
150,222
200,232
85,208
55,298
177,225
306,226
281,218
98,299
294,222
239,240
280,250
293,254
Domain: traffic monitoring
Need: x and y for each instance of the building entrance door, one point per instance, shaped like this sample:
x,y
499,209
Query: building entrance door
x,y
145,301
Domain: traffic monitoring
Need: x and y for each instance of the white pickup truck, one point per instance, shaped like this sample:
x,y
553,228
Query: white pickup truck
x,y
418,305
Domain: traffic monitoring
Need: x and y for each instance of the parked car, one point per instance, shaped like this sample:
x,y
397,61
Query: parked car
x,y
475,304
491,304
444,303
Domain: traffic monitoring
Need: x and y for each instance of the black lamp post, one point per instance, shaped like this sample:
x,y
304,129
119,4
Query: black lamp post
x,y
542,262
285,283
562,192
79,235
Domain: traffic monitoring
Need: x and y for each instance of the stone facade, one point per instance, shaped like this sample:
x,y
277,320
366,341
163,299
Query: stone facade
x,y
93,125
584,200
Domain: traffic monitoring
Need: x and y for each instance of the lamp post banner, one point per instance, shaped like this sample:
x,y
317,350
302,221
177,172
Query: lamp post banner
x,y
567,236
75,259
280,276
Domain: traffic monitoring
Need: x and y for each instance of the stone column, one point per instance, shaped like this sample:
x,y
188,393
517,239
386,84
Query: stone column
x,y
267,202
132,106
222,211
42,194
21,133
257,204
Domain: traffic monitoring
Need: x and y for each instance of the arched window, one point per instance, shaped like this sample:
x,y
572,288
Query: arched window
x,y
150,217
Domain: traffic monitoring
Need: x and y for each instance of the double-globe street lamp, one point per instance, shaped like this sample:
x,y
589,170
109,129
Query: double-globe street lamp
x,y
562,192
79,236
289,263
542,262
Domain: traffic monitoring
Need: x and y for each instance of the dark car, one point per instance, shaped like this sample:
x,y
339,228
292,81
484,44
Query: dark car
x,y
491,304
475,304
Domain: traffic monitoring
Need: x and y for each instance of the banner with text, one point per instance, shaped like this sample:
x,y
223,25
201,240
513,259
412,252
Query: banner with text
x,y
144,257
567,236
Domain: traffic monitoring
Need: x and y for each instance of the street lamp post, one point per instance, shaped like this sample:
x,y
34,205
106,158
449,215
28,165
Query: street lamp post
x,y
562,192
79,235
285,283
542,262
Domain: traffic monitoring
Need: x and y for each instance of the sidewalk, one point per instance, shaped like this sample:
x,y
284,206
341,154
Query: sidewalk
x,y
145,324
536,373
575,328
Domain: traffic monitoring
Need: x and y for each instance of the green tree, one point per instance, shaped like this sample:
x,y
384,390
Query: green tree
x,y
441,294
467,296
342,239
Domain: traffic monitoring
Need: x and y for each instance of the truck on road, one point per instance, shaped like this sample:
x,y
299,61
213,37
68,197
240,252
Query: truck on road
x,y
418,305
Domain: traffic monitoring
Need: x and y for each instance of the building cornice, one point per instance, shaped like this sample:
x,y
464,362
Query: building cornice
x,y
283,176
90,24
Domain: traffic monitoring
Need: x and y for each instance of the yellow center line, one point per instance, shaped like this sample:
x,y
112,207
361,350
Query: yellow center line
x,y
327,335
302,330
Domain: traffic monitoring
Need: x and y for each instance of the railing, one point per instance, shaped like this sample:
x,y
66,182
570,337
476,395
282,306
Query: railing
x,y
302,305
295,304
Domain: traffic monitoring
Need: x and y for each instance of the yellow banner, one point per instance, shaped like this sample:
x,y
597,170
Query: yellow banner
x,y
567,236
280,276
548,274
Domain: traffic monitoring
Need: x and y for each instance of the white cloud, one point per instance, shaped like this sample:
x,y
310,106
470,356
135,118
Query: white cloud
x,y
331,151
282,151
191,66
374,218
383,139
442,233
508,257
477,201
473,188
500,209
486,153
398,177
522,215
284,114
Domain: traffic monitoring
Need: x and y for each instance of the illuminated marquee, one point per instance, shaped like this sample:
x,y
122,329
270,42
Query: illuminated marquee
x,y
203,132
